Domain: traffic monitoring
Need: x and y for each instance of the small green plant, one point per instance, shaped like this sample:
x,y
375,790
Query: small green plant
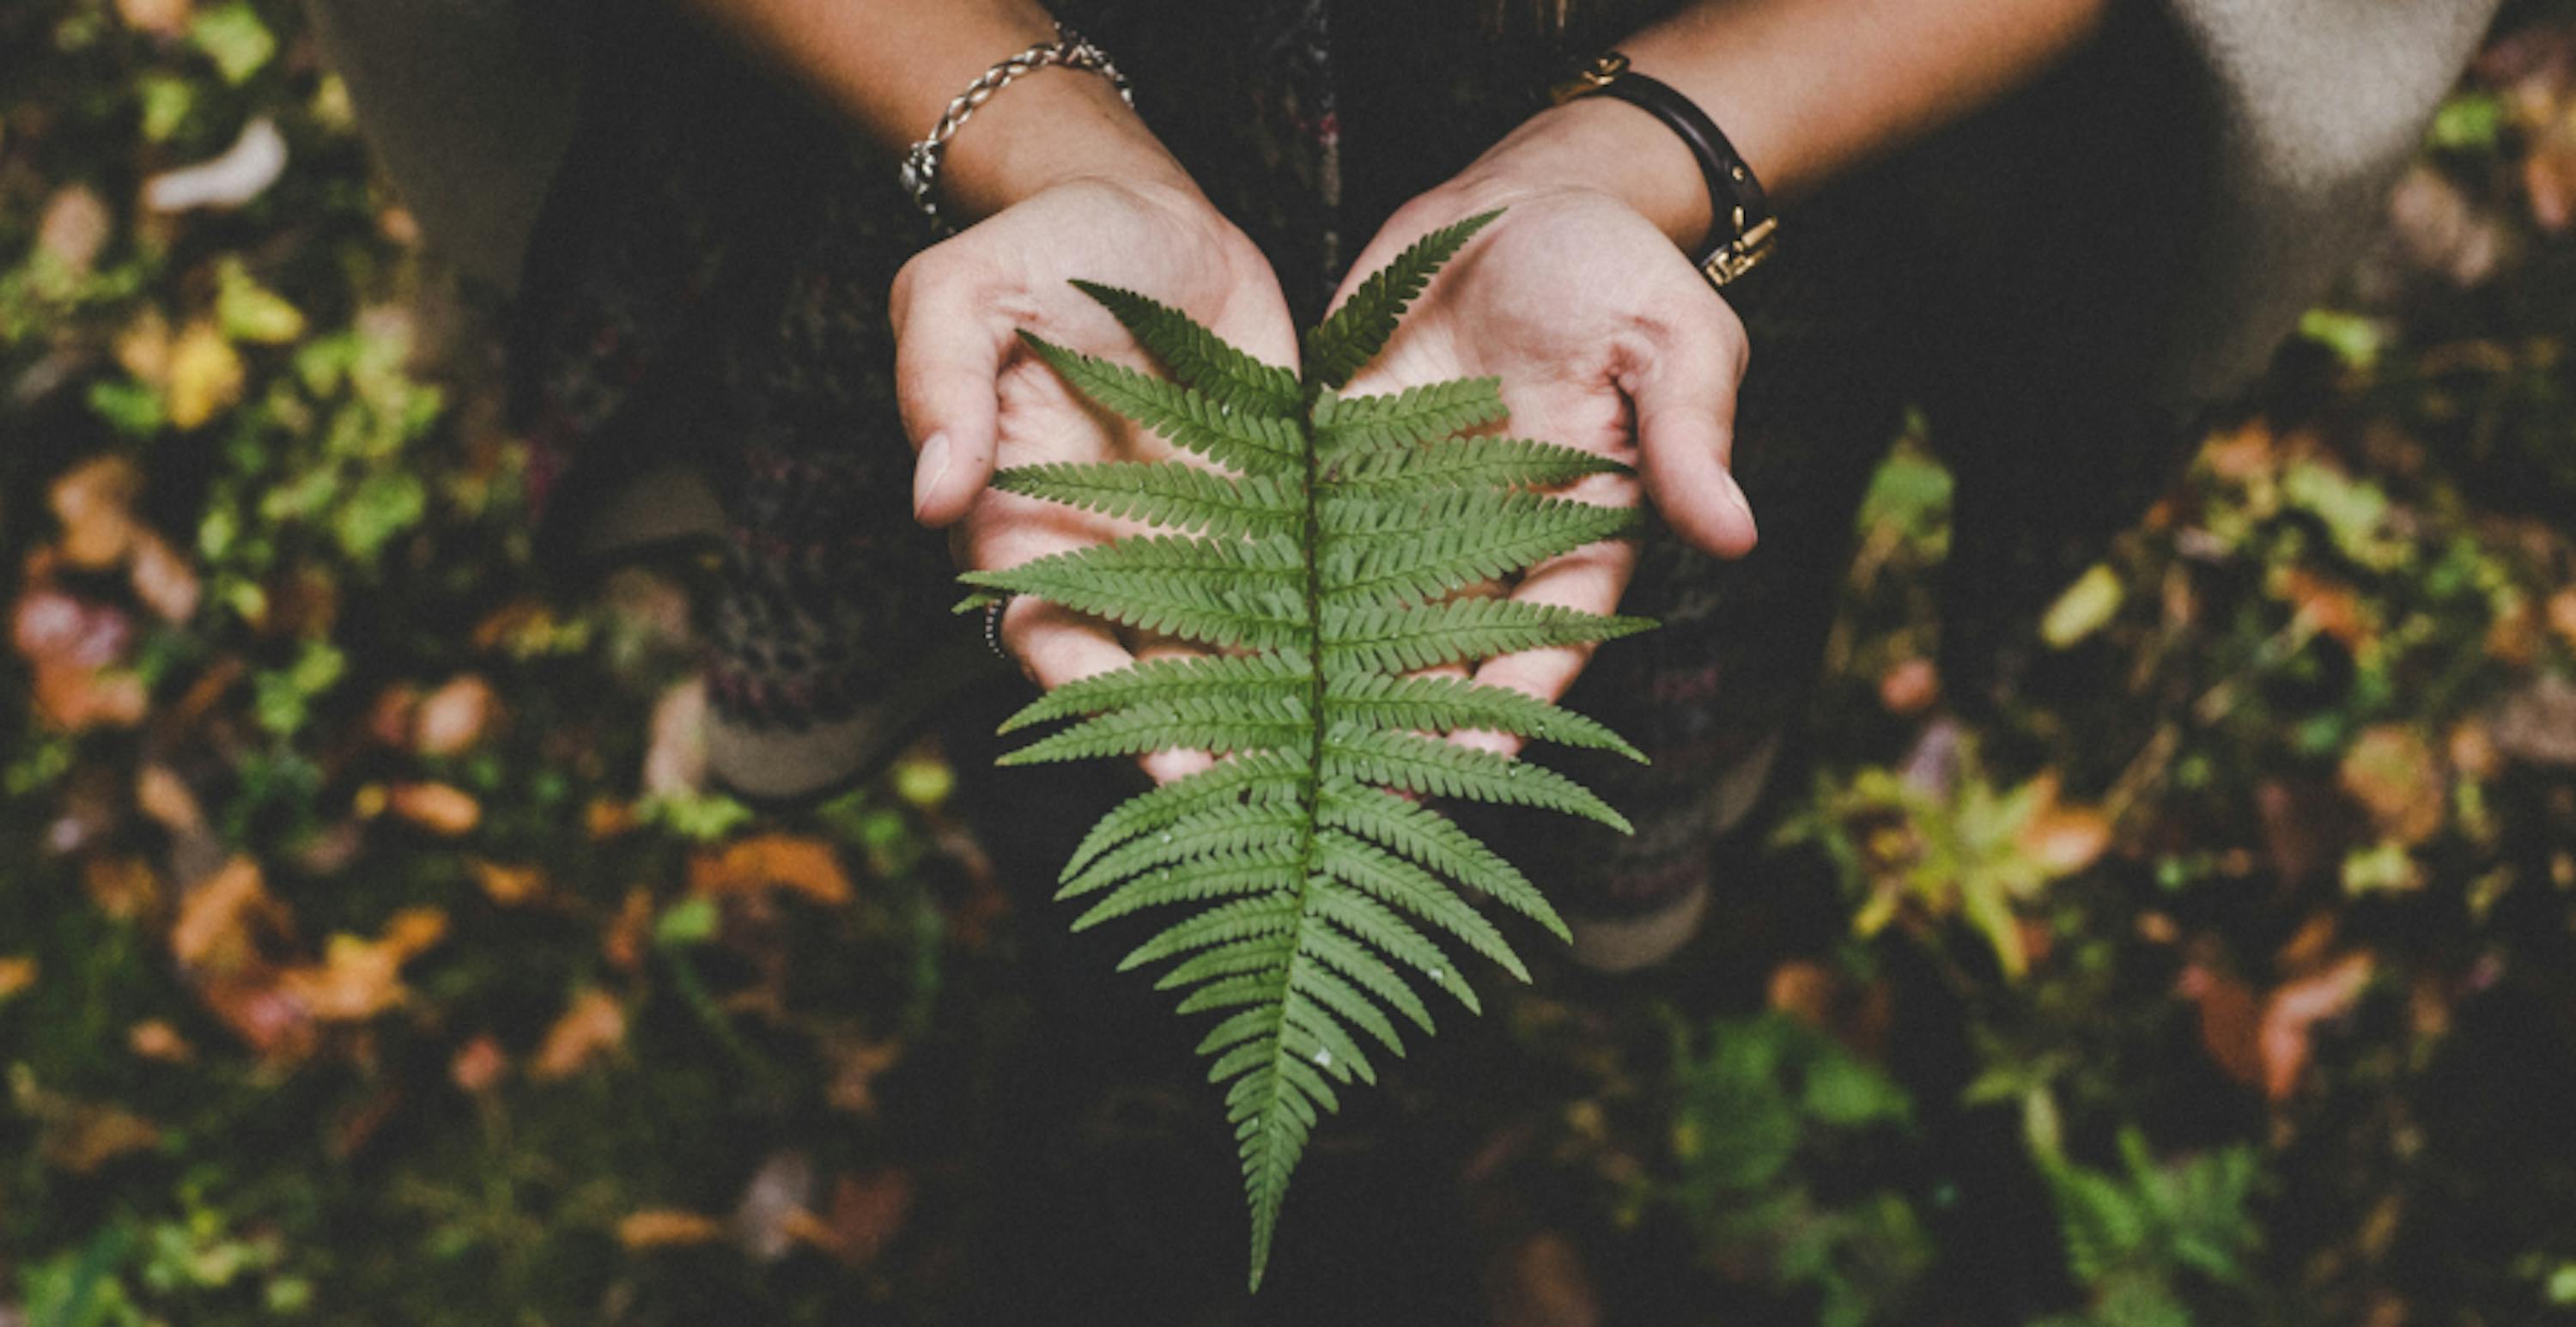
x,y
1321,563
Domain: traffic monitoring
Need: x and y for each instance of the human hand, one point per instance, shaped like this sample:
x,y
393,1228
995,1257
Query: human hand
x,y
1606,339
974,397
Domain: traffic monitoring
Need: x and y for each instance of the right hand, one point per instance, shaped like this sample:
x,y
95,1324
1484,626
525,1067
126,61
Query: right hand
x,y
974,397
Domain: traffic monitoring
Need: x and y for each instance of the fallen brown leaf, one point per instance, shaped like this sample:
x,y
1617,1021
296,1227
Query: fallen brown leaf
x,y
439,808
2295,1008
478,1065
855,1065
2228,1021
166,800
266,1018
664,1228
594,1025
506,885
798,865
358,978
1541,1281
866,1214
122,887
91,1136
154,1039
219,921
2391,771
625,940
1910,687
17,974
94,502
161,18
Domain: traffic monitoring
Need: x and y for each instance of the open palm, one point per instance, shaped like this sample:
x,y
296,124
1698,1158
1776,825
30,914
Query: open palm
x,y
1605,339
968,381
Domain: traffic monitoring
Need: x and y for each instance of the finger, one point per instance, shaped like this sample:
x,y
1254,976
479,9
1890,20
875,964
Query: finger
x,y
1589,579
1055,645
1684,398
946,361
1167,766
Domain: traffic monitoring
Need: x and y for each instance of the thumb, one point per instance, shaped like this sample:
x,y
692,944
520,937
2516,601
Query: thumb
x,y
1685,409
946,361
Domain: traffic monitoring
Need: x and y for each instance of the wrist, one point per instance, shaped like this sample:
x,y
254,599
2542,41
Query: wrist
x,y
1050,128
1602,146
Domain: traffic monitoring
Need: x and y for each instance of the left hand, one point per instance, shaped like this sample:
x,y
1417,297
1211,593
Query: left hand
x,y
1605,339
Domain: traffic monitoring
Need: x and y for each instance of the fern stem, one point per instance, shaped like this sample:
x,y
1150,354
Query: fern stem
x,y
1311,831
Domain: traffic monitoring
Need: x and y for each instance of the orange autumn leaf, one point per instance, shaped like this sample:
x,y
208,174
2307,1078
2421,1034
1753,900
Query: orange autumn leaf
x,y
16,975
94,502
92,1136
626,938
143,347
161,18
1909,687
121,887
166,799
439,808
72,698
797,865
2295,1008
154,1039
607,817
478,1065
2064,839
2228,1021
667,1227
2327,606
218,919
855,1065
507,885
264,1016
866,1213
2390,769
594,1024
358,978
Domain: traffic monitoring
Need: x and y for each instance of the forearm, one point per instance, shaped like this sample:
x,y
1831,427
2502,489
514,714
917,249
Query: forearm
x,y
1805,89
891,66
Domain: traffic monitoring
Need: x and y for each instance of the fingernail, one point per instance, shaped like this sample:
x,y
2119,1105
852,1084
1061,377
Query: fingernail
x,y
1735,498
930,468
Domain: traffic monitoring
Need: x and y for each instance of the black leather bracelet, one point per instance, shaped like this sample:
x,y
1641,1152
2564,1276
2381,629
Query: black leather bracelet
x,y
1741,228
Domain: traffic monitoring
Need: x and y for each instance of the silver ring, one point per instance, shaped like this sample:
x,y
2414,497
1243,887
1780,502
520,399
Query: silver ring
x,y
993,624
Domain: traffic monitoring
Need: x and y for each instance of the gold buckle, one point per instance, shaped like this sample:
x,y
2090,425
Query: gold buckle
x,y
1590,78
1741,254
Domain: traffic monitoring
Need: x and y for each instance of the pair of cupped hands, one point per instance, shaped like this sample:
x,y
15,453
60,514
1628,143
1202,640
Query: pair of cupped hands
x,y
1603,335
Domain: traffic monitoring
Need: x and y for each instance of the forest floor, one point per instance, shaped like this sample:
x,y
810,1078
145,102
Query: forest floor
x,y
370,952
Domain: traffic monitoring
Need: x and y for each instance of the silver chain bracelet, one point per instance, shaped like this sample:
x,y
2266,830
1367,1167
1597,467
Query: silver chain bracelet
x,y
1069,51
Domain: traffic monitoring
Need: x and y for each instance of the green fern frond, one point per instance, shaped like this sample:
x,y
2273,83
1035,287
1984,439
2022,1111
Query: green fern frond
x,y
1400,639
1449,704
1177,496
1359,425
1196,357
1298,890
1254,443
1472,463
1344,343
